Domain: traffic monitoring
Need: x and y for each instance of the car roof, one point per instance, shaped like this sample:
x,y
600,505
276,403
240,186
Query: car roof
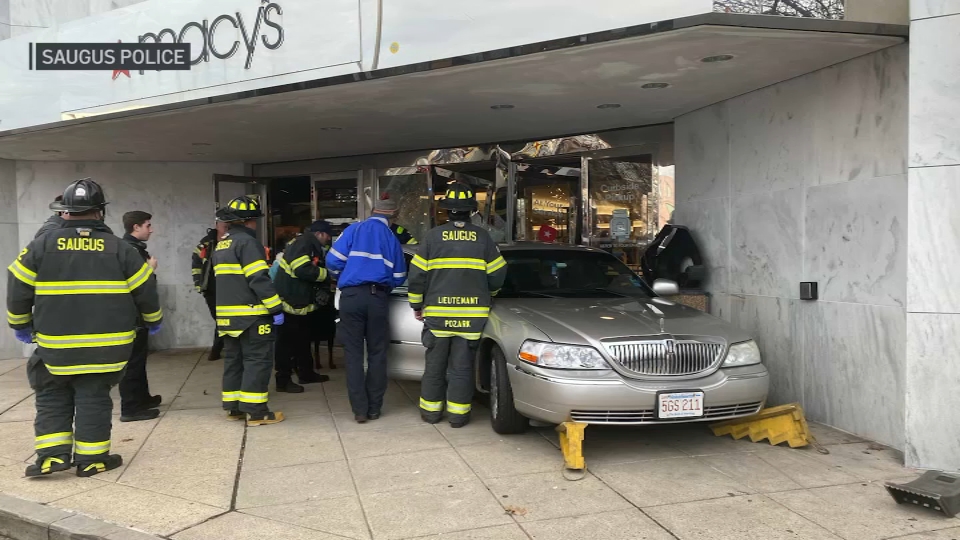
x,y
525,246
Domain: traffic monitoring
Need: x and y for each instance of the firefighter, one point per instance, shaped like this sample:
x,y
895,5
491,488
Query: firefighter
x,y
248,312
299,281
452,279
78,291
204,282
403,235
54,221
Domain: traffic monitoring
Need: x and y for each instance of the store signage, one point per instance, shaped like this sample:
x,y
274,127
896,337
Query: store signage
x,y
250,34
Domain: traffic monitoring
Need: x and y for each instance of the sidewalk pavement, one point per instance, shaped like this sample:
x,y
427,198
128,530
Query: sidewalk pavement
x,y
191,474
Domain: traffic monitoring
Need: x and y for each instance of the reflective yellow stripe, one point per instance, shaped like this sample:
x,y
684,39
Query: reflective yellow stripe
x,y
458,408
431,406
254,267
85,369
52,288
494,293
419,262
62,438
92,449
231,333
299,261
14,318
455,311
196,271
271,302
456,263
412,241
140,277
48,464
198,251
253,397
23,273
153,317
241,311
85,340
231,396
287,308
415,298
322,274
465,335
495,265
223,269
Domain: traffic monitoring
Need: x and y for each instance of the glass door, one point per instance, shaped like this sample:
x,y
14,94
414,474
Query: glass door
x,y
548,197
336,198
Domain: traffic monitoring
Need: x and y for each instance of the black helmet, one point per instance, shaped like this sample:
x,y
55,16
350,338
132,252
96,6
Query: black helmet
x,y
81,196
240,209
459,198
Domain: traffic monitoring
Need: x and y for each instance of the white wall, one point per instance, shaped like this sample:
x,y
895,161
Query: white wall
x,y
180,197
805,181
933,295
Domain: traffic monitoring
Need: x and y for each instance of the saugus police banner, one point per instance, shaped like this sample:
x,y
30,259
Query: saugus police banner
x,y
109,56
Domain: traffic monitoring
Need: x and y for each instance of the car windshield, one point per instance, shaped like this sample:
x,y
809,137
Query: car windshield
x,y
569,274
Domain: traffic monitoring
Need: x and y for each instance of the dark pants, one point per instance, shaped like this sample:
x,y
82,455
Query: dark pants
x,y
72,409
447,376
365,318
210,296
293,348
247,365
134,387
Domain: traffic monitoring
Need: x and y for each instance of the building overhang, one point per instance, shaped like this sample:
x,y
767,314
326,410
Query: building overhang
x,y
585,83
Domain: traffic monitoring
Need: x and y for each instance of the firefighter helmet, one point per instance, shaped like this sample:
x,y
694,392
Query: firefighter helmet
x,y
459,198
81,196
240,209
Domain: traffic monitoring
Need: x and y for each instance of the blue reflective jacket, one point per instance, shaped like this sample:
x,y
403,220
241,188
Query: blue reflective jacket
x,y
367,252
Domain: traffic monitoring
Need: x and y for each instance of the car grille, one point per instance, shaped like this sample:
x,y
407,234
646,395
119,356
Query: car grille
x,y
660,356
646,416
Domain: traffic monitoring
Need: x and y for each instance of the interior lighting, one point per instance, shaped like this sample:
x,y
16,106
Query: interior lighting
x,y
51,151
655,85
331,128
501,107
125,152
609,106
201,144
717,58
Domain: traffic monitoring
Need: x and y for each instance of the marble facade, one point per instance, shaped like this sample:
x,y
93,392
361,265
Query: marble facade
x,y
179,195
933,301
806,181
25,16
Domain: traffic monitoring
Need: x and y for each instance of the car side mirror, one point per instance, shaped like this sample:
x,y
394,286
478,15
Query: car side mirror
x,y
666,287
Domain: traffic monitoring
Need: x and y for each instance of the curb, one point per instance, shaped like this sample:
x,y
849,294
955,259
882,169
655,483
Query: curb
x,y
25,520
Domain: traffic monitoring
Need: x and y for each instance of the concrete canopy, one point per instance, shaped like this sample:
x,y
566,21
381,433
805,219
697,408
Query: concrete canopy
x,y
548,89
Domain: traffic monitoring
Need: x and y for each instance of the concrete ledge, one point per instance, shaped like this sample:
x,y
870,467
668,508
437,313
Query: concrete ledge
x,y
25,520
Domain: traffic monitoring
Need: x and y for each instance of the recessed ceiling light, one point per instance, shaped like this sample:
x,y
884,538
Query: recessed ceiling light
x,y
501,107
655,85
197,153
330,128
609,106
51,151
125,152
201,144
717,58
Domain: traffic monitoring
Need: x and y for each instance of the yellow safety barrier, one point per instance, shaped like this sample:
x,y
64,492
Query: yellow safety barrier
x,y
571,444
783,424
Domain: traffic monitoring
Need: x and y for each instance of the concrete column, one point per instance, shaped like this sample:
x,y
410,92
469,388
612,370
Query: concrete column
x,y
933,294
9,248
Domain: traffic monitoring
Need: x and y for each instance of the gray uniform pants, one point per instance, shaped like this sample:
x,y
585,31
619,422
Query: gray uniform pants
x,y
447,376
247,366
72,410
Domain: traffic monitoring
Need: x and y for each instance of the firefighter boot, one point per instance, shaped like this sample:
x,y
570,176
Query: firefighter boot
x,y
285,384
264,419
49,465
108,463
236,415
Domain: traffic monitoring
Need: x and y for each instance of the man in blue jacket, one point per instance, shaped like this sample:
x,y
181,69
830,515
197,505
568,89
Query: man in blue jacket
x,y
367,263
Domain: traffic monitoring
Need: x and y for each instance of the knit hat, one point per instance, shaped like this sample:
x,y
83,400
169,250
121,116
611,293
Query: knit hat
x,y
386,205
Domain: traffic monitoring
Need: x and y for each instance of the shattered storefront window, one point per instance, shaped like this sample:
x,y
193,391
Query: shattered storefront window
x,y
412,194
818,9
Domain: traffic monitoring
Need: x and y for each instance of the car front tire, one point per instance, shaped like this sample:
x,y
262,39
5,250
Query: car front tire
x,y
503,414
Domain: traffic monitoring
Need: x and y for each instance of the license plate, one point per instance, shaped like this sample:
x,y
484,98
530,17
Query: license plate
x,y
680,405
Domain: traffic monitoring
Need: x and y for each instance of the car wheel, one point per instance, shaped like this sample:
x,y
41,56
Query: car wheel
x,y
503,414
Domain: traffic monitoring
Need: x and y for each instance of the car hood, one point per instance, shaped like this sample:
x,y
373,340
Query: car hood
x,y
588,320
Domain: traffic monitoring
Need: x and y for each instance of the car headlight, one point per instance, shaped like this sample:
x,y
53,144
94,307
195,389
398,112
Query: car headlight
x,y
560,356
743,354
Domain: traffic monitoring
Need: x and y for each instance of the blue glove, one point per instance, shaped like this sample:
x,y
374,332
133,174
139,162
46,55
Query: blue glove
x,y
24,335
153,329
278,319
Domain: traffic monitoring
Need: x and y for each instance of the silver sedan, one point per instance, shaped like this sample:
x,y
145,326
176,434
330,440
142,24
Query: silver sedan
x,y
575,335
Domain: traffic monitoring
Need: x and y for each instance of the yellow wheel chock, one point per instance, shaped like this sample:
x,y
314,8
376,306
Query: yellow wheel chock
x,y
571,444
783,424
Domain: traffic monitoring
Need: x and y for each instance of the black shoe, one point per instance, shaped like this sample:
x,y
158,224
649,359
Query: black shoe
x,y
430,419
265,419
108,463
312,377
360,418
288,386
50,465
146,414
215,354
459,423
153,402
374,416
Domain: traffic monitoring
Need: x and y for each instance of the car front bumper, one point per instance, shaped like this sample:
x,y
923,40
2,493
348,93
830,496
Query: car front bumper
x,y
548,396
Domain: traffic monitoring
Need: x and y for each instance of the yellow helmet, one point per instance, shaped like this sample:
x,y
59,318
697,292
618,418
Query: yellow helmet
x,y
241,208
459,197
